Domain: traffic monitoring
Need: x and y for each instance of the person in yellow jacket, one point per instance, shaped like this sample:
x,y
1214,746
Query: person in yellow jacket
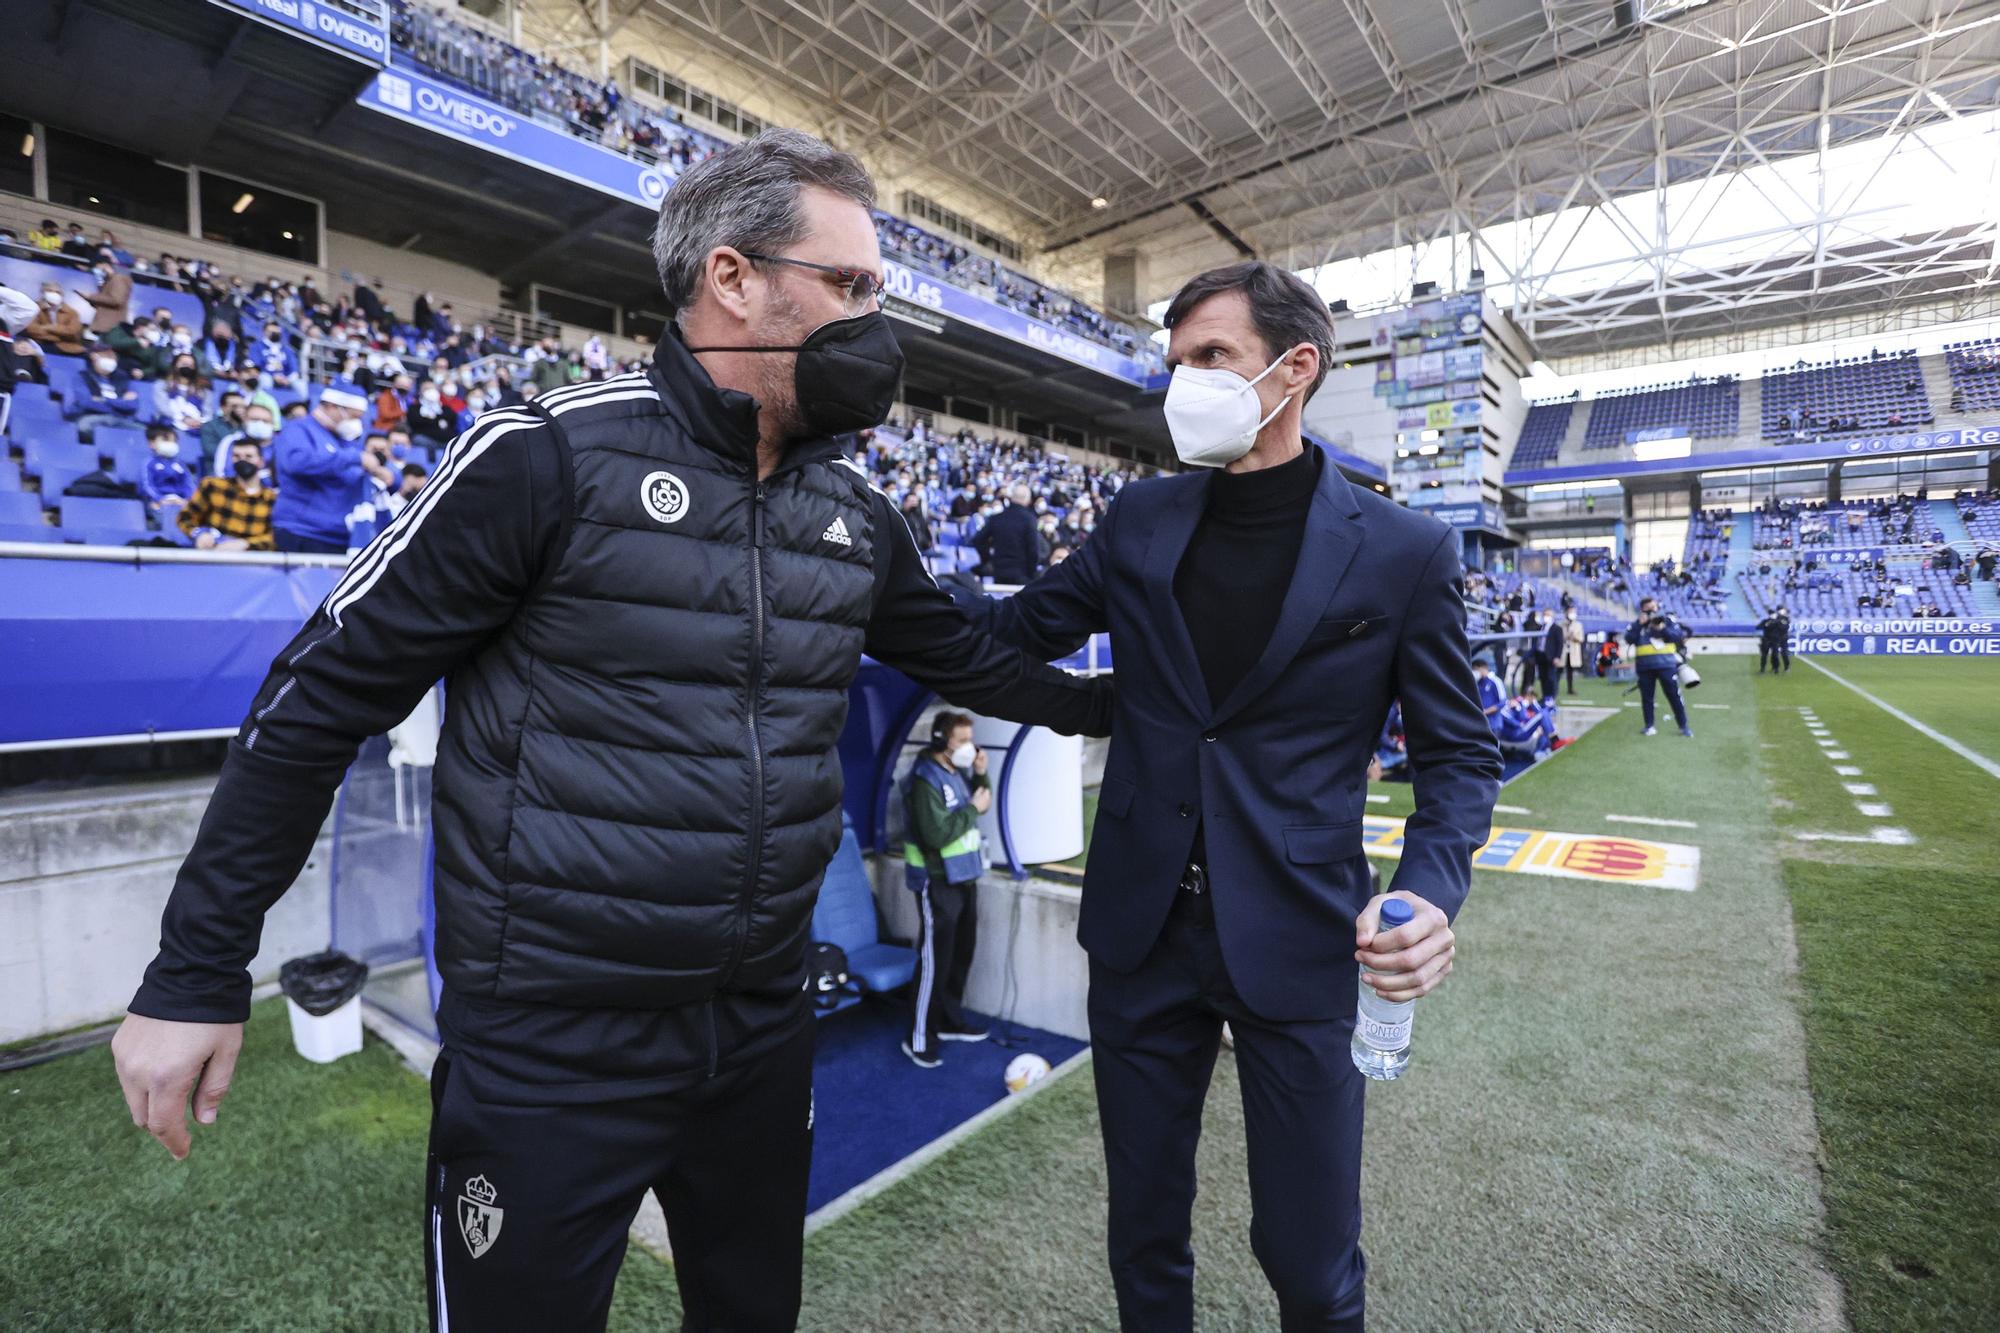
x,y
943,798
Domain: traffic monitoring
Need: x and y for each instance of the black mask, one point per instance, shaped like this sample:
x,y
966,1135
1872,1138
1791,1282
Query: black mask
x,y
245,469
847,375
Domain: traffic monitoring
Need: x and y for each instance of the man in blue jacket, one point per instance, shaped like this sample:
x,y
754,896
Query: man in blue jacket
x,y
320,462
1009,551
1658,640
1266,613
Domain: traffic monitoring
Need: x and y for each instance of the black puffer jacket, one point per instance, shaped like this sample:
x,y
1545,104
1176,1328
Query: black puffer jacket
x,y
648,652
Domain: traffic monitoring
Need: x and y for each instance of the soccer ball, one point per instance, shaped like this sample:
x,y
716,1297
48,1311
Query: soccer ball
x,y
1026,1070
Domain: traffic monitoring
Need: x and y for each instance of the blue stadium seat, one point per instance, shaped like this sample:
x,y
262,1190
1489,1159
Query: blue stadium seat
x,y
61,370
56,479
96,536
845,915
128,451
37,418
37,531
81,514
20,507
27,391
41,453
10,475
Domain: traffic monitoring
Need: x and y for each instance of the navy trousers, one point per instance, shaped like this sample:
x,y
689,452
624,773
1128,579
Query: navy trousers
x,y
1670,681
1154,1034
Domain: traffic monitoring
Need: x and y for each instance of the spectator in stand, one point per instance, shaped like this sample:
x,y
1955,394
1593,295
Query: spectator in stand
x,y
76,245
112,301
56,325
392,404
48,236
102,394
232,511
1008,550
181,399
165,483
920,526
274,359
221,353
141,347
251,383
432,420
320,464
259,426
227,421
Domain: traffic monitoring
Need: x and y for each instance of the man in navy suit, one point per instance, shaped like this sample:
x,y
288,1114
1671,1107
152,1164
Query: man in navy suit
x,y
1265,614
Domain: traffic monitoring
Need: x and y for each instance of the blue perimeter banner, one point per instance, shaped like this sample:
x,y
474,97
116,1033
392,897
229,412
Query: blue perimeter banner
x,y
409,96
921,290
1897,638
1824,451
347,33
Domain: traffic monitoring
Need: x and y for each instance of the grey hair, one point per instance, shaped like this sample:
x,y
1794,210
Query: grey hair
x,y
1021,495
1284,309
747,197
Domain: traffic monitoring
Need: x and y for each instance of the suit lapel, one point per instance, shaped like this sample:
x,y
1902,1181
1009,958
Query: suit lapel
x,y
1331,538
1163,556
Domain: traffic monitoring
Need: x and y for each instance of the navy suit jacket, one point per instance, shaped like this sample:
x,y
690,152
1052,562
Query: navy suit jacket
x,y
1277,772
1008,545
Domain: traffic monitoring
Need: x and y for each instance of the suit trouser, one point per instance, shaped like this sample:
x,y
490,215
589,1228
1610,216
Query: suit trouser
x,y
1766,656
947,933
527,1207
1154,1034
1670,681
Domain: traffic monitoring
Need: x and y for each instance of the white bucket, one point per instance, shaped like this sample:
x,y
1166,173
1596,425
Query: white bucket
x,y
326,1038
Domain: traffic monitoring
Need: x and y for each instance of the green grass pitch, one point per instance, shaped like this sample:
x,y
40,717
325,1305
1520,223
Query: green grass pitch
x,y
1768,1103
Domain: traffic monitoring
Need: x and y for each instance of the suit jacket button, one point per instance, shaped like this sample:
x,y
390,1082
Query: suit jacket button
x,y
1210,738
1186,810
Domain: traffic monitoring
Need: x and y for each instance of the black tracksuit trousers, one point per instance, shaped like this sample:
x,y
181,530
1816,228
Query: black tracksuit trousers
x,y
527,1207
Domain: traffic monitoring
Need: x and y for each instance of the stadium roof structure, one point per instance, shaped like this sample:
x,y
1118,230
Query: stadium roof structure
x,y
1313,131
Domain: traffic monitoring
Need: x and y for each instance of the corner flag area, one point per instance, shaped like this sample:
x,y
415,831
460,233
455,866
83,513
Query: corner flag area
x,y
1764,1101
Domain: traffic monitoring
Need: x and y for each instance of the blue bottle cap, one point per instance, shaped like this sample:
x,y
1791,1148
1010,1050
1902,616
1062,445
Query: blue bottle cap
x,y
1396,912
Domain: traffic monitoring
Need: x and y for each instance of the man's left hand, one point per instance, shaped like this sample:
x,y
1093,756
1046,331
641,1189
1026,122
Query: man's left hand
x,y
1410,960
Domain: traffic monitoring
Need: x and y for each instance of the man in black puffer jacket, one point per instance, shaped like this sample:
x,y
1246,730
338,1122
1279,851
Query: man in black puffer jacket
x,y
648,597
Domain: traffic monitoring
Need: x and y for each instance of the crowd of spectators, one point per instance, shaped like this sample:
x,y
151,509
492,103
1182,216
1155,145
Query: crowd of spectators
x,y
1014,508
1902,520
119,366
599,113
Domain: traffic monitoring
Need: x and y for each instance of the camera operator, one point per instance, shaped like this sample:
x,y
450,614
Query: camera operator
x,y
1658,640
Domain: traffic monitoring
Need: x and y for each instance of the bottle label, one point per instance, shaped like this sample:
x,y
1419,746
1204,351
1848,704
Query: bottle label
x,y
1384,1036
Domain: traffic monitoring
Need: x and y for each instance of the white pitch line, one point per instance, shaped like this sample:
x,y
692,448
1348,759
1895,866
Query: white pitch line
x,y
1859,788
1847,770
1828,744
1634,703
1513,810
1648,819
1875,809
1835,754
1895,837
1378,798
1956,747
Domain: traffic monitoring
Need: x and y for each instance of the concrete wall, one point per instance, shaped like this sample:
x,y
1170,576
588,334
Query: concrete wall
x,y
83,878
1030,928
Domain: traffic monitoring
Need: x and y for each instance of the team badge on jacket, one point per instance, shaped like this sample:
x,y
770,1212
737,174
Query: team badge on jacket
x,y
665,496
478,1220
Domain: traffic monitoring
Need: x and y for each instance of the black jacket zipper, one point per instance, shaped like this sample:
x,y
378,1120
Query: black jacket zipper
x,y
754,863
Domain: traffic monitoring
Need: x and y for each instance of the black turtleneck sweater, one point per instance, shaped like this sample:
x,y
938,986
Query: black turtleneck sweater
x,y
1231,584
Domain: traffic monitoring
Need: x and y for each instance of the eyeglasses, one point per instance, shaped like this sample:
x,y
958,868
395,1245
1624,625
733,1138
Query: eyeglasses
x,y
861,287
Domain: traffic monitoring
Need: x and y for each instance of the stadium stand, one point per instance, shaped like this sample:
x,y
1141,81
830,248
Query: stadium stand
x,y
1705,408
543,88
1975,375
1542,433
1854,395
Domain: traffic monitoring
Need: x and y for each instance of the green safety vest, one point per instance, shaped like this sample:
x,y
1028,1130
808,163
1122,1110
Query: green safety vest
x,y
964,858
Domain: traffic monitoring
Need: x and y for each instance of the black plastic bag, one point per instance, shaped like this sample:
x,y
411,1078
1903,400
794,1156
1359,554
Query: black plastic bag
x,y
320,983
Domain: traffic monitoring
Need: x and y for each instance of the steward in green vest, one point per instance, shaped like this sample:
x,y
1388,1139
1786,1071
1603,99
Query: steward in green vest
x,y
943,856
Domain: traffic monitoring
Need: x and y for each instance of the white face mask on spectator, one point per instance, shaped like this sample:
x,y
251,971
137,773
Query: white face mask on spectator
x,y
257,430
963,756
167,448
1212,413
349,429
430,395
51,296
104,365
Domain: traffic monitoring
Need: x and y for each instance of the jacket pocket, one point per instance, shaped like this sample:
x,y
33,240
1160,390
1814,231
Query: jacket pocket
x,y
1114,798
1320,844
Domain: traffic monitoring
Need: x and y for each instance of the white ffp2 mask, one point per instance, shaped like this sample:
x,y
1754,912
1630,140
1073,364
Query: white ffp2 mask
x,y
1212,414
963,756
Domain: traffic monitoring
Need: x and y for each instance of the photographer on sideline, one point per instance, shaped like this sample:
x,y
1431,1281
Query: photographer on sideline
x,y
1658,640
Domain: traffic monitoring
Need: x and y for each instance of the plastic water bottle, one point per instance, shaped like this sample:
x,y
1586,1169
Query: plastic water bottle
x,y
1382,1027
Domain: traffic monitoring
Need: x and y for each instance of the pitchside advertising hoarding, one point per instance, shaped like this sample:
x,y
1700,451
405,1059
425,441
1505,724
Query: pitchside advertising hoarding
x,y
1897,638
357,28
418,100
